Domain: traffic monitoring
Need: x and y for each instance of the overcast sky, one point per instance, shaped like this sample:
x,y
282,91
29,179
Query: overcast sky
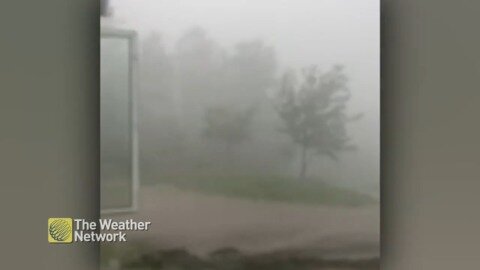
x,y
303,32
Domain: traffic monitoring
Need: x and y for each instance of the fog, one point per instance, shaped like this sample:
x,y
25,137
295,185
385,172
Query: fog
x,y
179,84
258,131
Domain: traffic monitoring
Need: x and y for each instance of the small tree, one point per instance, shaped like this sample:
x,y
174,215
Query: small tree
x,y
313,112
227,126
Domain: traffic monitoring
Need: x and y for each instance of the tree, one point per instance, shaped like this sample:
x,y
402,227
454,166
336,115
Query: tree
x,y
314,112
228,126
251,71
198,63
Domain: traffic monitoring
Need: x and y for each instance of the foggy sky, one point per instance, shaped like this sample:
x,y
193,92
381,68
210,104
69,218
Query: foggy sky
x,y
303,32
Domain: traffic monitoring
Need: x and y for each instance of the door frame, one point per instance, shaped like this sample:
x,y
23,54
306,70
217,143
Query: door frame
x,y
131,36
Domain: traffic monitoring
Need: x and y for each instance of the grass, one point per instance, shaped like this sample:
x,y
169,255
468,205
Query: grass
x,y
272,188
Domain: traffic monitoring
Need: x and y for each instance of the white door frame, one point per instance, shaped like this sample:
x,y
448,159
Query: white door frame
x,y
133,83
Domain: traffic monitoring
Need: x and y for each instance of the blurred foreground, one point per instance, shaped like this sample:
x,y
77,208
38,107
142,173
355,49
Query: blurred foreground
x,y
191,230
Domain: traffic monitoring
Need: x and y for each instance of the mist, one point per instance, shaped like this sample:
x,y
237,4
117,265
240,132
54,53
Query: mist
x,y
258,132
298,33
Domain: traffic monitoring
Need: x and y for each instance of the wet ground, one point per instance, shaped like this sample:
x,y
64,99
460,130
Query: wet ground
x,y
197,231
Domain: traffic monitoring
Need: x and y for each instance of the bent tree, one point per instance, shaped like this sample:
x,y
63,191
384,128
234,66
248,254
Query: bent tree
x,y
313,111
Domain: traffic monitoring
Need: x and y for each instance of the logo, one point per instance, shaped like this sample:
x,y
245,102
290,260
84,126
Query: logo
x,y
69,230
60,230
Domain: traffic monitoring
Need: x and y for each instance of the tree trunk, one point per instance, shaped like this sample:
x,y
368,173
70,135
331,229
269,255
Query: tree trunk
x,y
303,163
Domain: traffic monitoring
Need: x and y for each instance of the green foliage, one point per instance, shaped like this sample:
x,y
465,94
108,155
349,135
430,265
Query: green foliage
x,y
226,125
313,111
251,69
271,188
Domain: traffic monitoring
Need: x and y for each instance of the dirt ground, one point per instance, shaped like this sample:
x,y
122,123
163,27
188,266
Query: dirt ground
x,y
203,223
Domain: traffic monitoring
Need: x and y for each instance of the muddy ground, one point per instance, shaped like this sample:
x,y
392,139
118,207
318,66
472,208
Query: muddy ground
x,y
216,232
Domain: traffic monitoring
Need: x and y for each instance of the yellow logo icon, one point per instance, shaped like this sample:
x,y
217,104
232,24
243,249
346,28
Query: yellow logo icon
x,y
60,230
